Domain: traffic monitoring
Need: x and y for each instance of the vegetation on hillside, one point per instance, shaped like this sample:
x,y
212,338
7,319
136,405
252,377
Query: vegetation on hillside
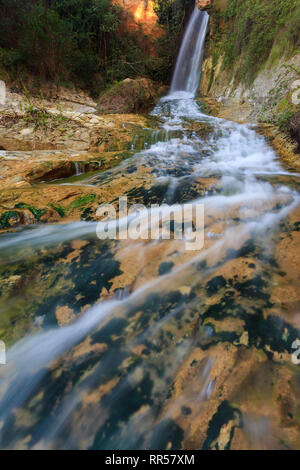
x,y
251,32
250,35
83,42
172,16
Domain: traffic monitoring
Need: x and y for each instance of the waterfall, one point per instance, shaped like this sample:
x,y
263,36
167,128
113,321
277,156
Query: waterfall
x,y
188,67
99,381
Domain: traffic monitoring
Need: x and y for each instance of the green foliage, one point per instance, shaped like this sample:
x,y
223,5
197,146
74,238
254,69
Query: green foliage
x,y
293,28
41,118
9,58
37,213
59,209
284,119
71,41
278,107
172,16
254,27
83,42
7,217
83,200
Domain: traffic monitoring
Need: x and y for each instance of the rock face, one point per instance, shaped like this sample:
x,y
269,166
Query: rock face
x,y
295,128
268,94
66,120
129,96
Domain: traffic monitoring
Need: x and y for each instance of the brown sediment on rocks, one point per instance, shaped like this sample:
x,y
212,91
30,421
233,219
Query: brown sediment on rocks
x,y
79,132
281,142
56,203
21,169
48,140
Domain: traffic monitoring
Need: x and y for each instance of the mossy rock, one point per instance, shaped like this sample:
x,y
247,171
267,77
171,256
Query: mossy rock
x,y
37,213
83,201
9,219
129,96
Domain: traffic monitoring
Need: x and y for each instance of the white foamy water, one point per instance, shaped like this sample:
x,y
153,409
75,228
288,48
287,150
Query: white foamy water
x,y
188,68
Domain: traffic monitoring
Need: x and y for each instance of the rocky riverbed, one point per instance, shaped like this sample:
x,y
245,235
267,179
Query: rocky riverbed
x,y
142,344
46,141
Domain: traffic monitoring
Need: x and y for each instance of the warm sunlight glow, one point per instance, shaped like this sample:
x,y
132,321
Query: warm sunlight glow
x,y
139,13
145,13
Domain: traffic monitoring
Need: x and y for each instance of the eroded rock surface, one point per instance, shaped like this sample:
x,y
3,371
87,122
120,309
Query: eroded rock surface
x,y
130,96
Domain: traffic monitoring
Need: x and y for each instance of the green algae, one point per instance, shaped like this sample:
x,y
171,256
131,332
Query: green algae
x,y
37,213
6,217
83,201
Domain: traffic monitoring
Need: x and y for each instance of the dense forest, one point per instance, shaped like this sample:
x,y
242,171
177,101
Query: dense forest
x,y
83,42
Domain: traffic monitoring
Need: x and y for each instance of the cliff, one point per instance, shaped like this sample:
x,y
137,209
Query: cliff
x,y
252,62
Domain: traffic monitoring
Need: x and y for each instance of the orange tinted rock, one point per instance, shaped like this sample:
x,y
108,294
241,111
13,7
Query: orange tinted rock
x,y
204,4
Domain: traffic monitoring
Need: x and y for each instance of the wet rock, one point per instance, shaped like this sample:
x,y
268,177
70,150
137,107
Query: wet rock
x,y
22,184
165,268
64,315
244,339
26,217
221,427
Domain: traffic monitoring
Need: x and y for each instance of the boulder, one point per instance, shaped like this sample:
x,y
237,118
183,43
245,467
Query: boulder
x,y
129,96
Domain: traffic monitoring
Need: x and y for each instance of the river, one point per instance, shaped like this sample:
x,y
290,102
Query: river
x,y
142,344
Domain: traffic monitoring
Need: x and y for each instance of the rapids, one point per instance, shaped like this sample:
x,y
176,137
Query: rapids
x,y
141,361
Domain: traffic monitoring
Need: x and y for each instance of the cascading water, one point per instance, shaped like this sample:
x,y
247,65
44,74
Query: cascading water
x,y
188,67
139,373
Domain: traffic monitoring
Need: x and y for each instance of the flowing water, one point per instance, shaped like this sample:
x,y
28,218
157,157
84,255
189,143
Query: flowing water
x,y
142,344
188,68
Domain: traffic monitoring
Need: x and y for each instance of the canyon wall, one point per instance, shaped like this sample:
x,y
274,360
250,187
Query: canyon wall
x,y
252,61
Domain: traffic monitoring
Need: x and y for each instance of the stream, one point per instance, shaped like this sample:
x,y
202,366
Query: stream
x,y
141,344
